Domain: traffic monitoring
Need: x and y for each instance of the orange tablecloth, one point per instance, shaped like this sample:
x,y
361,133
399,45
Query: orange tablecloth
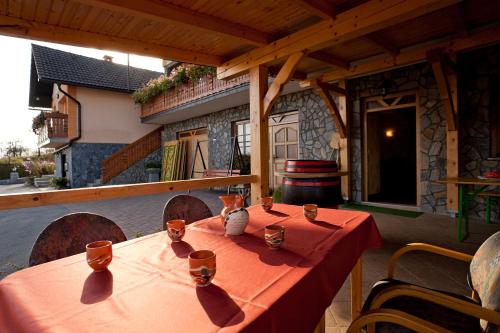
x,y
148,288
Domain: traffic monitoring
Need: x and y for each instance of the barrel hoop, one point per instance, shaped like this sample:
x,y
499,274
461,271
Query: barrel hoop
x,y
310,163
309,169
317,184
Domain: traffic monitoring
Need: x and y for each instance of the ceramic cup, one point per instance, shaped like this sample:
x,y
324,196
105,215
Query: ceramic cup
x,y
202,267
267,203
310,211
99,254
274,236
176,229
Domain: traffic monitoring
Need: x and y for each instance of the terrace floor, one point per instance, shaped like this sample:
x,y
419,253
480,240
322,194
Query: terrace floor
x,y
142,215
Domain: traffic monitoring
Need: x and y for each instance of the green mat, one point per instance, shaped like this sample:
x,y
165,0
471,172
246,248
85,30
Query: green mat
x,y
391,211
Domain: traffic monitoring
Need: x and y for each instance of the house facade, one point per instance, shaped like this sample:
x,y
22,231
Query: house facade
x,y
89,113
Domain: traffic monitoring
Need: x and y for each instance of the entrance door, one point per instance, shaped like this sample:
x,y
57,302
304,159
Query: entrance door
x,y
284,144
390,147
199,135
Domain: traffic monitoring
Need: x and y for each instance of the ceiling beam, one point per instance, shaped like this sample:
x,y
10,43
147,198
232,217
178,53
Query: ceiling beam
x,y
458,16
28,29
383,43
410,56
322,8
329,59
356,22
169,13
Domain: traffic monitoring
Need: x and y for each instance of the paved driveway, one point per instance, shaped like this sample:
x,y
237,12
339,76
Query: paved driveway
x,y
19,228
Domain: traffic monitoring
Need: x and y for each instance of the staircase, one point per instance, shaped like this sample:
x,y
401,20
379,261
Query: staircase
x,y
43,181
124,158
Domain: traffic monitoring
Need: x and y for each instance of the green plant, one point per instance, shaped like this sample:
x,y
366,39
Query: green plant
x,y
138,234
277,194
153,165
59,182
38,122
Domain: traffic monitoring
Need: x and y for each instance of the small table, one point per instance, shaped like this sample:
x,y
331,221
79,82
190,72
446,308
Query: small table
x,y
464,182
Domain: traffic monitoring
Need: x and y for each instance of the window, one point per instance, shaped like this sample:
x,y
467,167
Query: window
x,y
241,130
495,117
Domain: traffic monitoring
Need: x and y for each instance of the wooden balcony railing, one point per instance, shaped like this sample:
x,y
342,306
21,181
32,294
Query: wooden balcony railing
x,y
189,92
56,126
124,158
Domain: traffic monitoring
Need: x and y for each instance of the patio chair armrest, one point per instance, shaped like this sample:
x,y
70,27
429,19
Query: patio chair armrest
x,y
427,248
436,297
396,317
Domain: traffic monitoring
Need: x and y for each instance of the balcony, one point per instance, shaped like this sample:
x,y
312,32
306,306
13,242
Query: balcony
x,y
190,92
55,131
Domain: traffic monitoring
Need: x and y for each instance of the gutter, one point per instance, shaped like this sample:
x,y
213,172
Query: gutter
x,y
78,119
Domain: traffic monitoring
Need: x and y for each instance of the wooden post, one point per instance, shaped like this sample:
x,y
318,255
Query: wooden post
x,y
259,127
345,144
452,148
356,289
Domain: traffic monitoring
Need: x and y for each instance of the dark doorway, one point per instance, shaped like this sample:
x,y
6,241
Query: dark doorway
x,y
391,156
63,165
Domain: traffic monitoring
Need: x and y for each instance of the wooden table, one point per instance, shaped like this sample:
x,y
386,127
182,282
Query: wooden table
x,y
148,288
464,195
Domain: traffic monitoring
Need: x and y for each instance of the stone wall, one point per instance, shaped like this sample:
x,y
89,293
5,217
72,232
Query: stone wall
x,y
476,70
432,128
136,173
85,161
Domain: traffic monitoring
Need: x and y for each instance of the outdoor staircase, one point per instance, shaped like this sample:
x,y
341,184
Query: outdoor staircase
x,y
43,181
124,158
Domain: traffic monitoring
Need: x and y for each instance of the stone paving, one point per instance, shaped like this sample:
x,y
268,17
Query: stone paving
x,y
137,216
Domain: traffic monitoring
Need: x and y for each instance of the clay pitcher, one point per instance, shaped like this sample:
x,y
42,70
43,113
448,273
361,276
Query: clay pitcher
x,y
231,202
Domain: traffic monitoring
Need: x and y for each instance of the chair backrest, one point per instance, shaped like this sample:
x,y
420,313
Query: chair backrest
x,y
185,207
69,234
485,273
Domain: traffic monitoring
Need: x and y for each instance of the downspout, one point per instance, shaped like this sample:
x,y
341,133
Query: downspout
x,y
78,119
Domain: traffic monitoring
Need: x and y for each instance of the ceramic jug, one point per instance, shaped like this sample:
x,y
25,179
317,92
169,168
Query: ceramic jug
x,y
231,202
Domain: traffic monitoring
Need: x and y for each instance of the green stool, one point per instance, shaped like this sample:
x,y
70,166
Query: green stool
x,y
487,200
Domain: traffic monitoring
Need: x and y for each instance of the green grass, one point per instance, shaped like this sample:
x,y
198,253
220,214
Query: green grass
x,y
375,209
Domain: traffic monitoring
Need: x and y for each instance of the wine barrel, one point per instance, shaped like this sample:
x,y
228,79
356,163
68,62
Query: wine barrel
x,y
323,191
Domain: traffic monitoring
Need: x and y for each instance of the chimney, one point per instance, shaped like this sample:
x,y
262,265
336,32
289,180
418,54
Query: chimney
x,y
108,58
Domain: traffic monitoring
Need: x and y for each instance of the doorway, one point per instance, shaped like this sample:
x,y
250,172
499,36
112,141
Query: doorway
x,y
391,150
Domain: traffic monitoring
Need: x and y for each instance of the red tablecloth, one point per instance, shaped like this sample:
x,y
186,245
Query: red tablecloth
x,y
148,288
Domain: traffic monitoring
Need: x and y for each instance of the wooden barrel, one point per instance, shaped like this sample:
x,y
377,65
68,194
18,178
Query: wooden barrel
x,y
323,191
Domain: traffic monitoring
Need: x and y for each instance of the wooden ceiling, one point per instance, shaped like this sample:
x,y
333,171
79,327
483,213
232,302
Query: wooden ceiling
x,y
236,34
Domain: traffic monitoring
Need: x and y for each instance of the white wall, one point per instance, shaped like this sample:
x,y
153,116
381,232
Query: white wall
x,y
110,117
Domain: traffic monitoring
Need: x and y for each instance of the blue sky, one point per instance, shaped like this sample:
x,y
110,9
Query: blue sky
x,y
15,61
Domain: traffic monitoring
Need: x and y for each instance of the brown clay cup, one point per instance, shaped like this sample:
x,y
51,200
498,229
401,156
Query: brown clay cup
x,y
266,203
202,267
274,236
310,212
99,254
176,229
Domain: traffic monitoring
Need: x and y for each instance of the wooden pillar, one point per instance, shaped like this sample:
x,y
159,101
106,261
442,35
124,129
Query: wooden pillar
x,y
345,144
452,149
259,127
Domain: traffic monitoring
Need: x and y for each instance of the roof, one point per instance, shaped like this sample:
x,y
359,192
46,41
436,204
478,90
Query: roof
x,y
55,66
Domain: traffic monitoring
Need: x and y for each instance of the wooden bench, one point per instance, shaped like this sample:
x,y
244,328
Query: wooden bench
x,y
487,197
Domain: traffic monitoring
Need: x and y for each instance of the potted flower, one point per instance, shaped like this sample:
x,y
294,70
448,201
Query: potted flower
x,y
153,169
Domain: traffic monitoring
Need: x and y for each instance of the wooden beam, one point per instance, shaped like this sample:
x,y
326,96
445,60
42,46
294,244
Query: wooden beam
x,y
322,8
259,128
324,92
410,56
435,57
33,30
458,17
452,146
337,89
329,59
284,75
383,43
359,21
13,201
345,143
166,12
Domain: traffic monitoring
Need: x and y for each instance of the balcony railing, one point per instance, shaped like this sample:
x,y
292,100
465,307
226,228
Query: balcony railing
x,y
190,91
55,131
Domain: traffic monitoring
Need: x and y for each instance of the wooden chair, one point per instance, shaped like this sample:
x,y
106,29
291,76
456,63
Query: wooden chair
x,y
185,207
395,306
69,234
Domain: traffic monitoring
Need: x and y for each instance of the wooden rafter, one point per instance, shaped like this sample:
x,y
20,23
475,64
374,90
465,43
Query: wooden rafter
x,y
436,57
284,75
28,29
410,56
359,21
323,90
329,59
322,8
335,89
166,12
383,43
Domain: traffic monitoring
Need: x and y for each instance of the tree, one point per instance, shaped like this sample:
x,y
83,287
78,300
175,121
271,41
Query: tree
x,y
14,149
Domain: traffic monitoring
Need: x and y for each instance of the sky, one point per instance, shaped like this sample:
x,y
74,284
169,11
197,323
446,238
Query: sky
x,y
15,62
